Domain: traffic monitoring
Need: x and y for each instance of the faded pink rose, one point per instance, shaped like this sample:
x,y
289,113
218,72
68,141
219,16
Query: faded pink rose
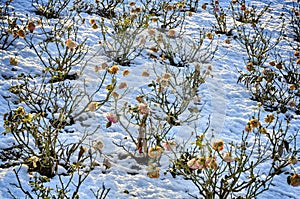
x,y
111,117
171,33
169,145
143,108
197,163
227,157
193,163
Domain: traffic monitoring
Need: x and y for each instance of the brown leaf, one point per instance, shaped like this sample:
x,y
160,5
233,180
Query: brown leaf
x,y
106,163
108,124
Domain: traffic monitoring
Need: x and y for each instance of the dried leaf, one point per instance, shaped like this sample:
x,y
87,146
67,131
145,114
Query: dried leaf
x,y
108,124
106,163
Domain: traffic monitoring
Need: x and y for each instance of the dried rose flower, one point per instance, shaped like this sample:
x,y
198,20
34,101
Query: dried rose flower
x,y
279,66
262,130
104,65
31,26
254,123
292,87
111,117
227,157
213,164
218,145
171,33
243,7
21,33
269,118
13,61
250,66
143,108
209,35
122,85
115,94
99,145
193,164
131,3
294,180
145,73
155,152
248,128
92,21
151,31
71,44
272,63
169,145
92,106
125,72
153,172
166,76
114,69
94,26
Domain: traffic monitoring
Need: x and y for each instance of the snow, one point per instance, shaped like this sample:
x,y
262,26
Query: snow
x,y
226,103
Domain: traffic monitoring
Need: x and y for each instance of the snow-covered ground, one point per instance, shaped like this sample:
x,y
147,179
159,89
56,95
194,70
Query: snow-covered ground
x,y
226,103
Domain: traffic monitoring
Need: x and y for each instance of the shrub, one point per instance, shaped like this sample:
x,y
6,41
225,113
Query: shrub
x,y
168,103
257,42
68,185
37,129
102,8
181,50
247,167
9,25
221,17
59,49
51,107
294,18
246,13
50,8
121,39
167,15
51,99
276,85
271,79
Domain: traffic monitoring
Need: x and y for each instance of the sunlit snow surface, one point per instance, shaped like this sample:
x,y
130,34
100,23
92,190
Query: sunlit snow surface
x,y
227,103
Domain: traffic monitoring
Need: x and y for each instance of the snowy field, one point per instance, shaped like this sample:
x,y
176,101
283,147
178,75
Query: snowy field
x,y
222,102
